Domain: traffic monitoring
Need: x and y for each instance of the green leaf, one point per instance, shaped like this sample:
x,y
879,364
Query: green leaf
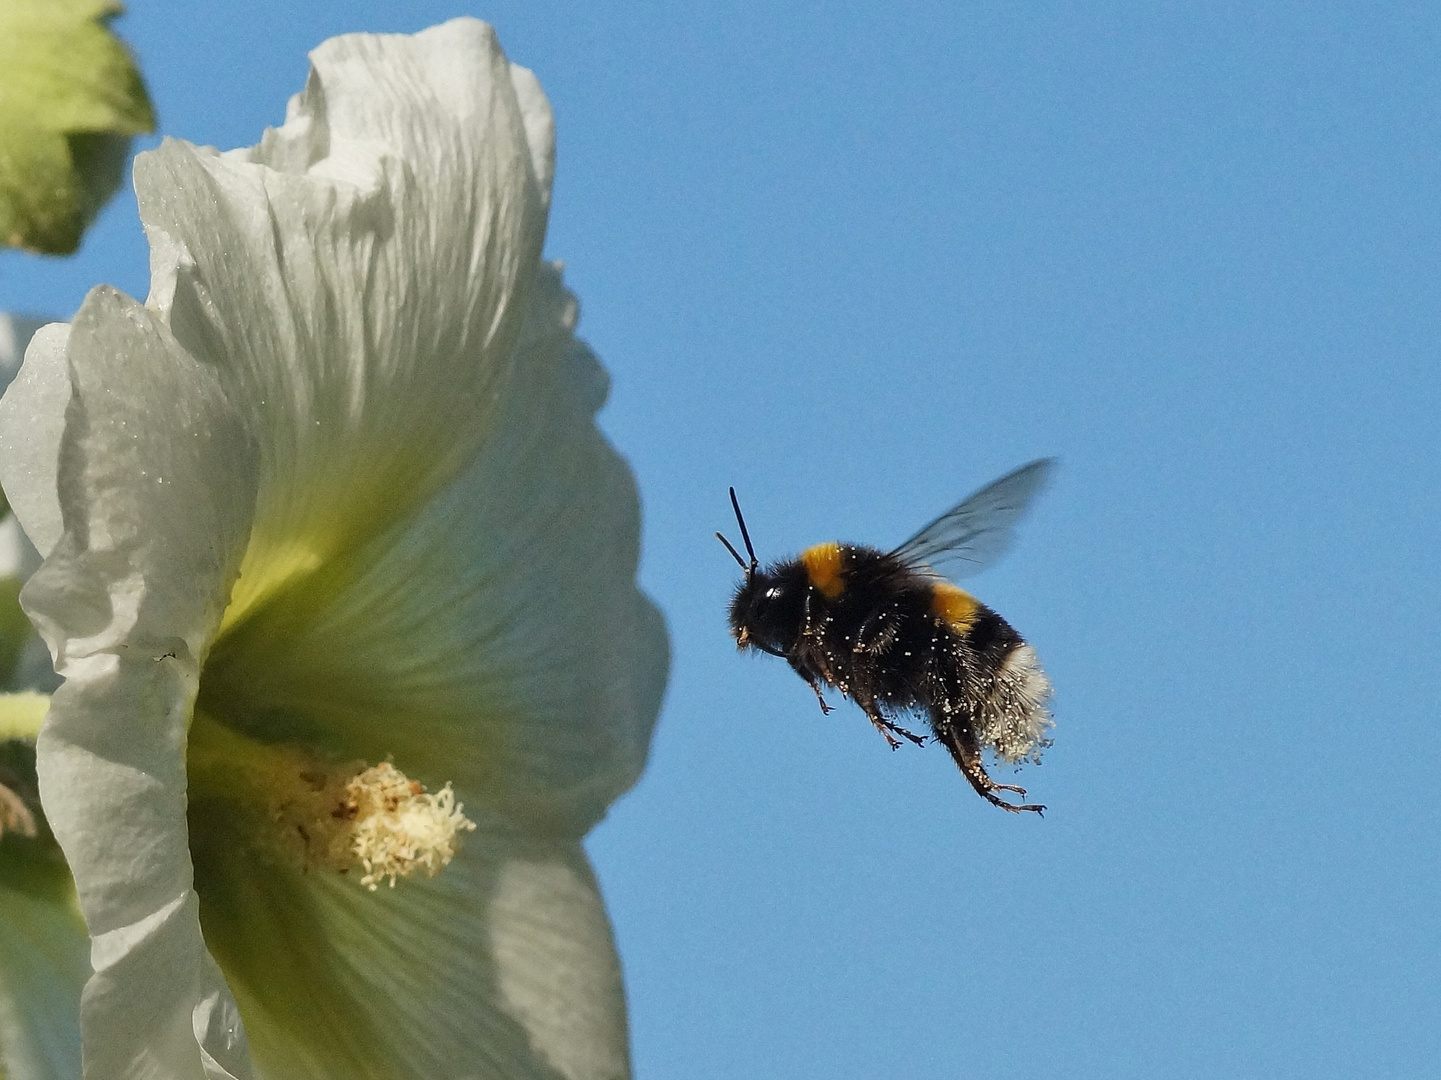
x,y
14,632
70,99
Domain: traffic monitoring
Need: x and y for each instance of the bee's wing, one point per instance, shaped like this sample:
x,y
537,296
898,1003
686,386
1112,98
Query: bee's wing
x,y
970,536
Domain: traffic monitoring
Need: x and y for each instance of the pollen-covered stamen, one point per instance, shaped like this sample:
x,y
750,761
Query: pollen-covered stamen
x,y
398,828
373,818
325,816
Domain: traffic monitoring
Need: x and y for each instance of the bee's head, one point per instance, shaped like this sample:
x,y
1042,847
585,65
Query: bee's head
x,y
767,609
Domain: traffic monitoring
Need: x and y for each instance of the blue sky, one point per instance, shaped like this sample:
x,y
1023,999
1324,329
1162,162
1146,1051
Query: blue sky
x,y
858,260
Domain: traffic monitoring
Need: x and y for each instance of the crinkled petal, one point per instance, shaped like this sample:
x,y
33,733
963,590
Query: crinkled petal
x,y
359,277
530,667
32,418
157,487
503,966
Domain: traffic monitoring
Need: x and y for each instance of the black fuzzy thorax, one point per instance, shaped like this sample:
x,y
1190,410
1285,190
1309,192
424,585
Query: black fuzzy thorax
x,y
884,640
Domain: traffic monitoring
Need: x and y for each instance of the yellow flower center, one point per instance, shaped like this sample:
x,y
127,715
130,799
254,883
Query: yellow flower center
x,y
319,815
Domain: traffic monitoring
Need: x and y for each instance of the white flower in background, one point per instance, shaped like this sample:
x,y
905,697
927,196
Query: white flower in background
x,y
338,568
44,953
24,660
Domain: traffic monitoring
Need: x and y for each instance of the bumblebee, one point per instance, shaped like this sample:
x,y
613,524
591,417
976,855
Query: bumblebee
x,y
889,631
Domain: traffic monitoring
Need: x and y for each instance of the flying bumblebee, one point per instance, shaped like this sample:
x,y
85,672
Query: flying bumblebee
x,y
889,631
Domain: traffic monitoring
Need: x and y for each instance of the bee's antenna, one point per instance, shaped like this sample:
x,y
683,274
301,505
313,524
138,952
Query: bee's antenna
x,y
745,535
734,553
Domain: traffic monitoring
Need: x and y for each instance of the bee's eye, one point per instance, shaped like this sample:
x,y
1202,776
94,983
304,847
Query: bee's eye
x,y
773,593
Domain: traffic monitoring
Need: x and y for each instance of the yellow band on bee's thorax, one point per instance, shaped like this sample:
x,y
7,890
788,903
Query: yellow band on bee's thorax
x,y
823,567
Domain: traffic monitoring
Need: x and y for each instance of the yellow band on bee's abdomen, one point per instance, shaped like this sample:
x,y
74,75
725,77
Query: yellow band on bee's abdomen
x,y
823,567
954,605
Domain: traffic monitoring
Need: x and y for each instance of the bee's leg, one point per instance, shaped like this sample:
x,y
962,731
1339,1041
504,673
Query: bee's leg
x,y
884,726
812,678
918,740
877,633
863,689
968,756
806,669
815,685
889,726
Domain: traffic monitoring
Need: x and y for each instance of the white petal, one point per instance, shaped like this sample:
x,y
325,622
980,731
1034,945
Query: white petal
x,y
15,333
555,964
497,638
359,279
156,481
539,126
32,417
18,557
44,961
501,967
24,660
149,1005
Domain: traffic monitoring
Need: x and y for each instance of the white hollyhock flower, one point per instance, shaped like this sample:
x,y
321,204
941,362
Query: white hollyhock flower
x,y
44,953
337,567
